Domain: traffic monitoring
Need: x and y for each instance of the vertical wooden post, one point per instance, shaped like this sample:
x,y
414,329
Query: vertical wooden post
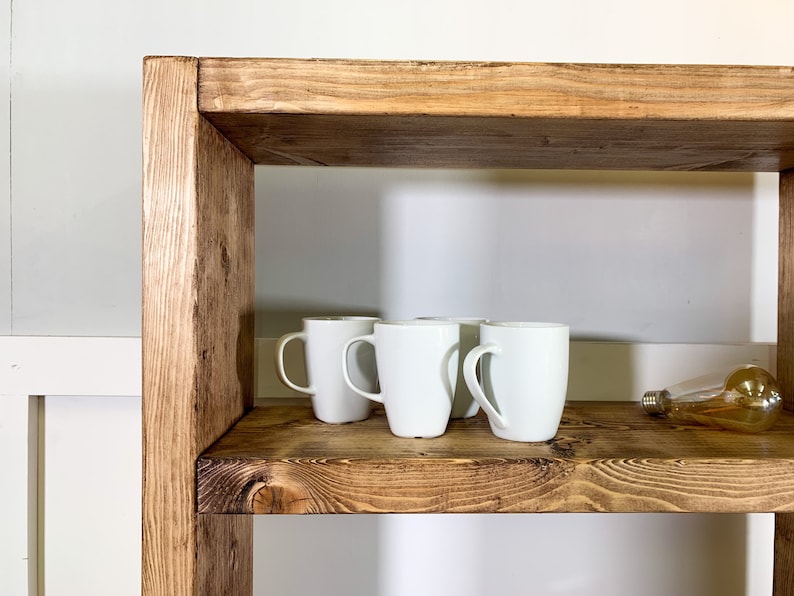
x,y
784,522
197,334
785,317
783,582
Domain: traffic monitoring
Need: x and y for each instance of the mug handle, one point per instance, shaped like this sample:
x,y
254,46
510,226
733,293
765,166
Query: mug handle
x,y
370,339
470,376
282,373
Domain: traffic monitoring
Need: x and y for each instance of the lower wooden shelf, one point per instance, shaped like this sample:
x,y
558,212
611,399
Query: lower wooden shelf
x,y
606,456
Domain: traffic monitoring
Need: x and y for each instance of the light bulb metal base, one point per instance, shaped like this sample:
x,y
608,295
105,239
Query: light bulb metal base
x,y
652,403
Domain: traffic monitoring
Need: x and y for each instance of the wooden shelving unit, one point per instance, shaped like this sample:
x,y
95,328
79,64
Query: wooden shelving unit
x,y
210,457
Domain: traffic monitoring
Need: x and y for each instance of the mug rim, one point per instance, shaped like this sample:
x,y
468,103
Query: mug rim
x,y
525,324
470,320
396,323
338,318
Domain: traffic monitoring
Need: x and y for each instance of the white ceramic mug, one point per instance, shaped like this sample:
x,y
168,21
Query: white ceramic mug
x,y
464,405
417,364
324,337
523,378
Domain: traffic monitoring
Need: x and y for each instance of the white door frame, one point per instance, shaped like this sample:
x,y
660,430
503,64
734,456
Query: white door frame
x,y
31,367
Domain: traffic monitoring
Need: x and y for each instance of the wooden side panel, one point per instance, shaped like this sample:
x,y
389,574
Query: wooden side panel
x,y
784,522
224,554
783,583
197,335
223,313
785,325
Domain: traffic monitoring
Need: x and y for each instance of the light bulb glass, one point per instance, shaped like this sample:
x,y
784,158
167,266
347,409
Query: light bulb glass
x,y
745,398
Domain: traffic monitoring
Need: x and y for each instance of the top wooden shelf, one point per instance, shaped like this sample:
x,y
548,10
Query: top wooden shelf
x,y
499,115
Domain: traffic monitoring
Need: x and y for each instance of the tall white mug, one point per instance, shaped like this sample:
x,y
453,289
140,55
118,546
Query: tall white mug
x,y
332,400
463,406
417,364
523,378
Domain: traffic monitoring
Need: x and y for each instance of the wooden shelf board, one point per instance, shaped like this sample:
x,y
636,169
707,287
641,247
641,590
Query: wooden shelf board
x,y
495,115
605,457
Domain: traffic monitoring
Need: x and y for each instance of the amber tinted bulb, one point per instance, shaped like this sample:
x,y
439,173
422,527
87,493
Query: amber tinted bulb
x,y
746,399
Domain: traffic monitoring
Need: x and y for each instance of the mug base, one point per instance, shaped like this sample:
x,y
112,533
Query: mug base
x,y
535,437
429,434
325,418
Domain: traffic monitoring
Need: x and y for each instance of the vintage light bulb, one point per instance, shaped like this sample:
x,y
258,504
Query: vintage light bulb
x,y
744,398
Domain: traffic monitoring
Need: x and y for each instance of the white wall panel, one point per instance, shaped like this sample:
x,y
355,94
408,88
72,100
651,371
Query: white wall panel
x,y
90,491
5,167
19,422
763,283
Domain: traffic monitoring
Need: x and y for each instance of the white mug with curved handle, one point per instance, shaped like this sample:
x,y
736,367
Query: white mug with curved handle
x,y
523,378
463,406
417,364
324,338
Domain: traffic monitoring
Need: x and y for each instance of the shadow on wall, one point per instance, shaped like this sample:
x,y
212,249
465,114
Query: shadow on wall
x,y
509,555
632,256
609,253
617,255
317,248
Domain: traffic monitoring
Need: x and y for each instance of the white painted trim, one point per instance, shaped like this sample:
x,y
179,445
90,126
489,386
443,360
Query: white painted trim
x,y
19,496
88,366
760,554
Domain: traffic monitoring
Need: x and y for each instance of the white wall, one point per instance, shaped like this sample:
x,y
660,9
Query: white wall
x,y
5,168
328,241
76,108
617,256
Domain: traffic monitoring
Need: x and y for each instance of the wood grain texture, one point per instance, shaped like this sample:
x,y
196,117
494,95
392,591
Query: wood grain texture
x,y
605,457
518,115
224,554
783,582
785,307
784,523
197,328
